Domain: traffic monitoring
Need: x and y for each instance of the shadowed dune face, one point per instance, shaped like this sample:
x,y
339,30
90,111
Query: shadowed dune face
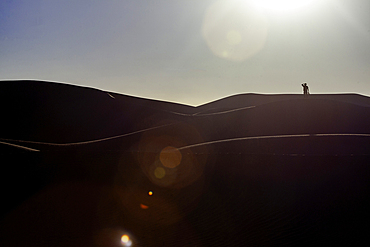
x,y
54,112
257,170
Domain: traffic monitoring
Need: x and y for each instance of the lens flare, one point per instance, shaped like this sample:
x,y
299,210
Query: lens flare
x,y
162,161
144,206
170,157
234,37
112,237
234,30
150,193
159,172
125,239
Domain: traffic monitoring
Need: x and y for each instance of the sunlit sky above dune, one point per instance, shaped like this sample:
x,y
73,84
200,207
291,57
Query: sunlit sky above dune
x,y
189,51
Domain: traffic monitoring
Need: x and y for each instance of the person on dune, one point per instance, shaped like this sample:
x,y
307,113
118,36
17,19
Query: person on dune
x,y
305,89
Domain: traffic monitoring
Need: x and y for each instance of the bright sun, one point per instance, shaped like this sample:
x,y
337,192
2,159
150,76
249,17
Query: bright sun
x,y
282,5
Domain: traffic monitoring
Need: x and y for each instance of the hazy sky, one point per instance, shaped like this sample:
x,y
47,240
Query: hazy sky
x,y
188,51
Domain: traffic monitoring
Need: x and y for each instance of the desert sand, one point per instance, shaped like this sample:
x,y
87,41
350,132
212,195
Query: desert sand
x,y
84,167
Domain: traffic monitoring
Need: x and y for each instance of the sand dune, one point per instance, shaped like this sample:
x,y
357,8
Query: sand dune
x,y
82,167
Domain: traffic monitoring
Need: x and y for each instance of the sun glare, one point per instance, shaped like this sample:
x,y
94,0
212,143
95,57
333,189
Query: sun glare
x,y
282,5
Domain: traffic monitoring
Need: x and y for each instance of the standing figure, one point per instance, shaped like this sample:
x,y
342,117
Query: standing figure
x,y
305,89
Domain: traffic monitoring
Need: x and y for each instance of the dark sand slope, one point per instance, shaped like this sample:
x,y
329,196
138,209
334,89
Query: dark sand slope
x,y
55,112
251,99
248,170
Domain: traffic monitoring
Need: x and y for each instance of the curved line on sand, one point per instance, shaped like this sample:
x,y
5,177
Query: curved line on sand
x,y
86,142
265,137
19,146
223,112
111,96
200,114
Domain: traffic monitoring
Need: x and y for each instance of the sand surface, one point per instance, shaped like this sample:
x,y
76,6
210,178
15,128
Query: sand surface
x,y
84,167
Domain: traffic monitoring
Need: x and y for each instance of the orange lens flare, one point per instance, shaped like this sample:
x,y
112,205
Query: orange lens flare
x,y
125,239
170,157
150,193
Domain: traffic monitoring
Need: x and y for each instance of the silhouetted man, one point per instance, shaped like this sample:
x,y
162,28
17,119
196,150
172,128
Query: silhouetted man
x,y
305,89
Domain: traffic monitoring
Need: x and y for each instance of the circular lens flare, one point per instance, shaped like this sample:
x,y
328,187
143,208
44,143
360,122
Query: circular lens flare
x,y
125,239
234,37
150,193
159,172
160,159
170,157
234,30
